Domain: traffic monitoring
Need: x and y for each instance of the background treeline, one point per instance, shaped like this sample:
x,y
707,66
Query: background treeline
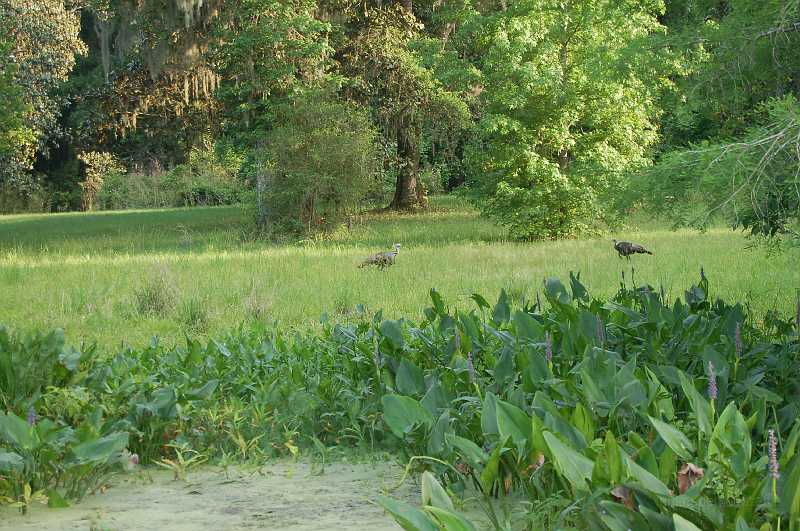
x,y
556,117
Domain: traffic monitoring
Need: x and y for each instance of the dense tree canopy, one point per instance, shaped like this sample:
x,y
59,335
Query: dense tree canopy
x,y
568,108
41,53
555,116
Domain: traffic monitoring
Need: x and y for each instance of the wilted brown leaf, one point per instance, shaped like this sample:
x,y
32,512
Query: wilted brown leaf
x,y
688,476
624,496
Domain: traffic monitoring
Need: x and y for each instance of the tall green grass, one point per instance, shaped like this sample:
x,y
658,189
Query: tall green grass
x,y
117,276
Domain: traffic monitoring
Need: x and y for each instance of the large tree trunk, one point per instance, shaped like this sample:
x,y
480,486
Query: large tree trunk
x,y
409,192
407,189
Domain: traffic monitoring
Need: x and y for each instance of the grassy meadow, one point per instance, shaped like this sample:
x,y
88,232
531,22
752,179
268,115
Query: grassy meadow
x,y
115,277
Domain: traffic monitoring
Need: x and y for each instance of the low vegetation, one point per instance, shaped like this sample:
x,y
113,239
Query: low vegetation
x,y
146,272
633,412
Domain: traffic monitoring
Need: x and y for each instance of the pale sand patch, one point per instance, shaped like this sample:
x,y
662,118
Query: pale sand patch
x,y
281,495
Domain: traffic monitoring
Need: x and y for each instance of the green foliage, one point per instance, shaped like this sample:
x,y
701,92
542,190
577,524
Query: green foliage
x,y
729,127
12,130
321,162
97,165
568,107
40,58
260,62
751,181
210,176
407,98
614,418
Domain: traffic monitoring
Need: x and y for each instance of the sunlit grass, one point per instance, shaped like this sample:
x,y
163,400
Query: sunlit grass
x,y
85,272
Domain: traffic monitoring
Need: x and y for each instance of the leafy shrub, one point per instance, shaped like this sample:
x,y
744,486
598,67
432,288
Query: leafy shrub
x,y
320,163
210,176
96,166
30,365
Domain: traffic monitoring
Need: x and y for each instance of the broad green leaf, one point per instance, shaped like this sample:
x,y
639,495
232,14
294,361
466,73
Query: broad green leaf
x,y
700,406
100,450
582,420
434,494
473,453
608,465
619,518
163,403
730,441
513,423
579,291
438,303
655,520
641,476
203,392
682,524
556,292
527,327
674,438
489,414
575,467
741,525
11,462
790,446
537,436
409,379
555,422
403,413
789,494
491,471
435,400
480,301
392,331
16,431
437,442
408,517
667,465
504,368
502,310
450,520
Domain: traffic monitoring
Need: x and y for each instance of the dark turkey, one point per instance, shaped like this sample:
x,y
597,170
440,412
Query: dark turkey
x,y
382,259
626,249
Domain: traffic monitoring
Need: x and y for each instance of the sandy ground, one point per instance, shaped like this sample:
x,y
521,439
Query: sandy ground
x,y
280,495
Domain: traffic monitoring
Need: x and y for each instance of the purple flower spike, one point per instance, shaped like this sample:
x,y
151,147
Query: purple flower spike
x,y
712,382
774,470
738,340
548,347
31,416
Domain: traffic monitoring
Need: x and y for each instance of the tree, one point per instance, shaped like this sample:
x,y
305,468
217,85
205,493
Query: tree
x,y
407,97
266,51
13,132
753,181
568,107
45,42
731,131
322,159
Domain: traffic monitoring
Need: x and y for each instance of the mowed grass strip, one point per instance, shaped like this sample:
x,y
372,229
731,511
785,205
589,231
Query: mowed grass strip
x,y
127,276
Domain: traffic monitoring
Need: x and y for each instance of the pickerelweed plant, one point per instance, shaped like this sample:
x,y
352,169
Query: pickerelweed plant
x,y
600,411
614,420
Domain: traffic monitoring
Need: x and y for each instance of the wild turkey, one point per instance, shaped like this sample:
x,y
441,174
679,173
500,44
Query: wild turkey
x,y
382,259
626,249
